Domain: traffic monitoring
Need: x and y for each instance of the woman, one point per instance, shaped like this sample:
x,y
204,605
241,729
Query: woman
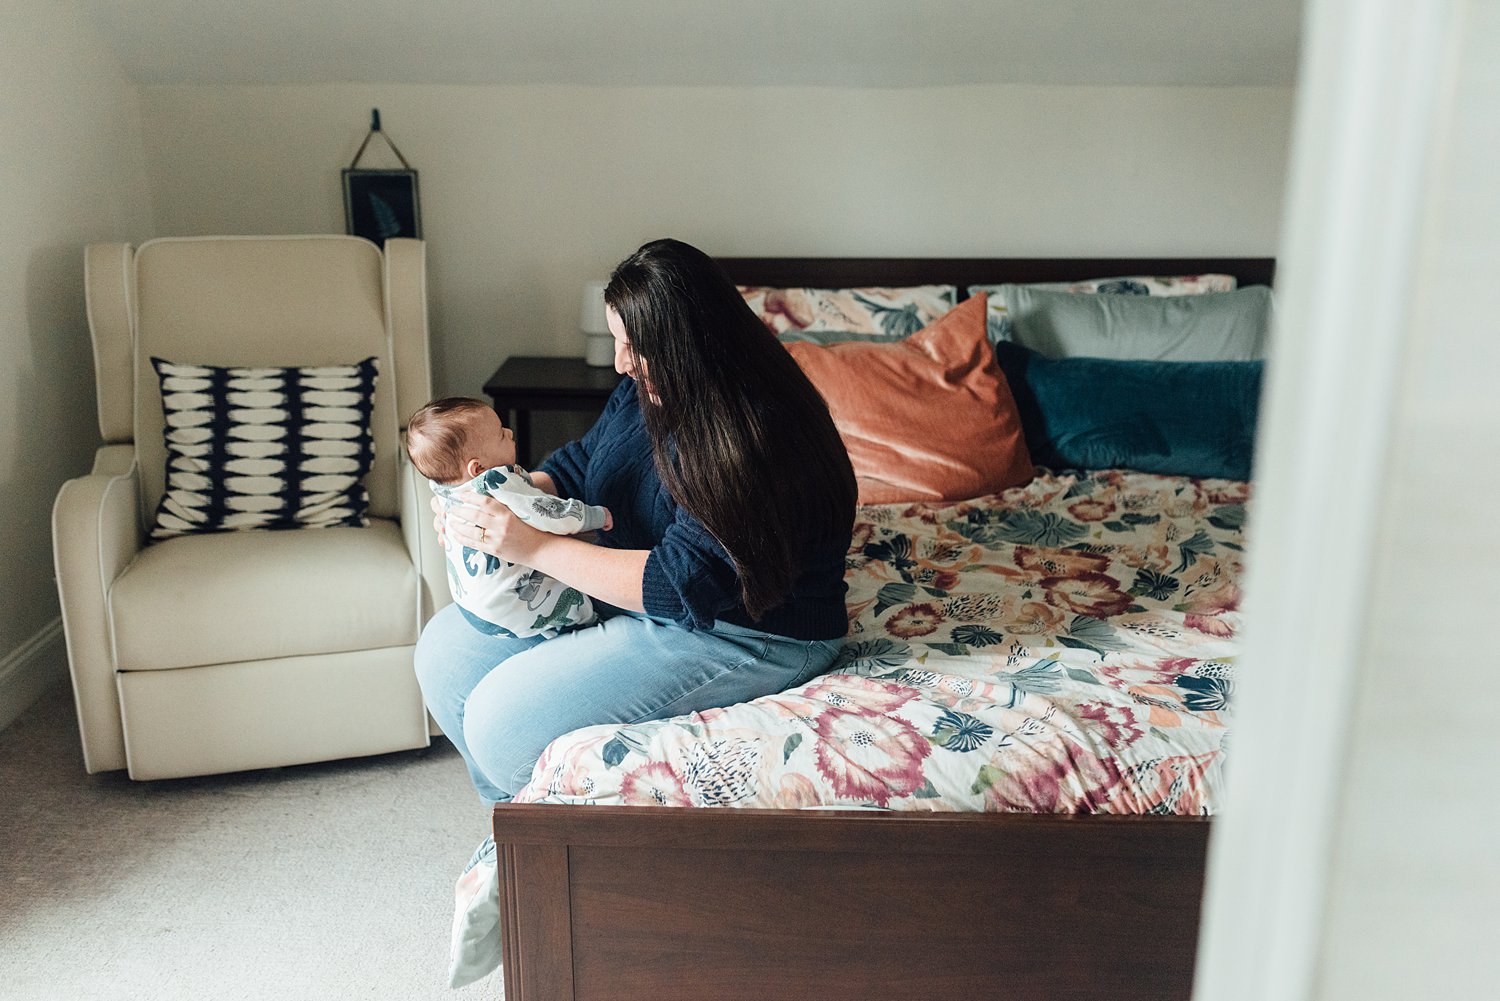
x,y
722,578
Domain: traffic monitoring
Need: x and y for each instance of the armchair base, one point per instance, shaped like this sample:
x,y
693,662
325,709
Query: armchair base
x,y
269,713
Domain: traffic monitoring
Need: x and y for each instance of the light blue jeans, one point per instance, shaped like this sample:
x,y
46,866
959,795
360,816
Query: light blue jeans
x,y
503,699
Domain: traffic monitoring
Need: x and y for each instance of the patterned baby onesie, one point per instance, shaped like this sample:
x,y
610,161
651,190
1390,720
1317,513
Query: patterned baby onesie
x,y
519,600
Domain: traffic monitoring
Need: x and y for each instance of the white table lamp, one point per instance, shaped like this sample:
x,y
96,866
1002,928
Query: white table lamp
x,y
600,348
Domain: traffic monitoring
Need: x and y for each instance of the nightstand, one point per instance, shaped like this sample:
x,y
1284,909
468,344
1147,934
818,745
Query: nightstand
x,y
522,385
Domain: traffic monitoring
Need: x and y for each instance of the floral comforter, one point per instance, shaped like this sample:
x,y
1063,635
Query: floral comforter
x,y
1066,646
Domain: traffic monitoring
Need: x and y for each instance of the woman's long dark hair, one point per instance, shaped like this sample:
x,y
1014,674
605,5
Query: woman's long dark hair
x,y
740,437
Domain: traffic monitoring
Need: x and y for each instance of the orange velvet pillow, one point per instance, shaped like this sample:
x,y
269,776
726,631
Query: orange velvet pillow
x,y
926,418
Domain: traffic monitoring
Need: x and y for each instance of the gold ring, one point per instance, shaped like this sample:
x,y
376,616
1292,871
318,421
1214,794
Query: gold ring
x,y
482,530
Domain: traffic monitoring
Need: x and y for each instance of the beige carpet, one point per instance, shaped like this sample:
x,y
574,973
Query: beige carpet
x,y
317,882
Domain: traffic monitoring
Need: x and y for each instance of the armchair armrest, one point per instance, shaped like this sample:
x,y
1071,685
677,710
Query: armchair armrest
x,y
96,532
421,540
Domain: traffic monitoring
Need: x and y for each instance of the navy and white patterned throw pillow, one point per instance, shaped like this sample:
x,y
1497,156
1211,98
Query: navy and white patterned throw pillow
x,y
252,448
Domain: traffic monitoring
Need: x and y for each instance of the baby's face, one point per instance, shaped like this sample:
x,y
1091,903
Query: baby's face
x,y
489,441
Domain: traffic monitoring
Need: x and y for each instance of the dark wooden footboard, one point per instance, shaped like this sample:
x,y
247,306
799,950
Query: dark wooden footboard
x,y
626,903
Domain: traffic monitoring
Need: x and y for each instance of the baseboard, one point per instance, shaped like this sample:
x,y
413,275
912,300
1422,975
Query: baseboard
x,y
28,670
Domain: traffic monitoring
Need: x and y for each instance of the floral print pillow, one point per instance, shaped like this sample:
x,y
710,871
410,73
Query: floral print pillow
x,y
999,321
849,313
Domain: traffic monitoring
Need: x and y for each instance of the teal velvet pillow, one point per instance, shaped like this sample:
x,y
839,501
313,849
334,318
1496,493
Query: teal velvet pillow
x,y
1219,326
1173,418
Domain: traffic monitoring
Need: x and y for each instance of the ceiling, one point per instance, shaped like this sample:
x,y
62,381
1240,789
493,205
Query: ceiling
x,y
864,43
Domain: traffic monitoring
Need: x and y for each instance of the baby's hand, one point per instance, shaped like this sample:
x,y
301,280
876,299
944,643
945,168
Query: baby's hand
x,y
609,520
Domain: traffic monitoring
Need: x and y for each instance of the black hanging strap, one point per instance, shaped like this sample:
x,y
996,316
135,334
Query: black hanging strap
x,y
374,131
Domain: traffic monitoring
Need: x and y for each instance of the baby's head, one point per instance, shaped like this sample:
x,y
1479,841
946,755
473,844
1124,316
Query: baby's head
x,y
455,439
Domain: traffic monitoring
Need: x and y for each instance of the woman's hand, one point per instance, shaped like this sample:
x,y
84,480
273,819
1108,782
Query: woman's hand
x,y
439,521
485,524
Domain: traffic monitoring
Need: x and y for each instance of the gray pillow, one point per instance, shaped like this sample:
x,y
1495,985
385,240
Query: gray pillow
x,y
795,336
1220,326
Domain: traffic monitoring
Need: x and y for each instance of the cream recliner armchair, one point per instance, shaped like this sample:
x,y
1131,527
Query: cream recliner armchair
x,y
237,650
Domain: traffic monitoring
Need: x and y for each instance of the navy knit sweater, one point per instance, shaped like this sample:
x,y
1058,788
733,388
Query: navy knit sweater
x,y
689,577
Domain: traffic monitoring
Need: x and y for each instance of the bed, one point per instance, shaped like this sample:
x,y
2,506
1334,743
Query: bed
x,y
1000,789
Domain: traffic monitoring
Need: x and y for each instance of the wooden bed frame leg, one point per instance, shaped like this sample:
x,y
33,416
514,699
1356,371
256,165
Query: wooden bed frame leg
x,y
510,960
536,923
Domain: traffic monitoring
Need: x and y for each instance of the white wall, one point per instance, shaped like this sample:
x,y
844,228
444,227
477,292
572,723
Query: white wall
x,y
1415,875
527,191
1357,856
74,172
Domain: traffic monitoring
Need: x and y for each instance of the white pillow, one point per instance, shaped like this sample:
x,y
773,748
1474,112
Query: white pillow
x,y
475,951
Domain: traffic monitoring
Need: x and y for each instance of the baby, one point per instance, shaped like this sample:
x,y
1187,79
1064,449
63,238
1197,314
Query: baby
x,y
459,444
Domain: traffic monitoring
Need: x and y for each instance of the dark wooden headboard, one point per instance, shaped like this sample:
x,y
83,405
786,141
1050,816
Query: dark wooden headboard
x,y
854,272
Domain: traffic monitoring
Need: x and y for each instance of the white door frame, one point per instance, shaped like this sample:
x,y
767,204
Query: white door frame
x,y
1375,80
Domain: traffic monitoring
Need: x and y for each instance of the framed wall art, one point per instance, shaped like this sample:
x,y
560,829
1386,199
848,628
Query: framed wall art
x,y
381,204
